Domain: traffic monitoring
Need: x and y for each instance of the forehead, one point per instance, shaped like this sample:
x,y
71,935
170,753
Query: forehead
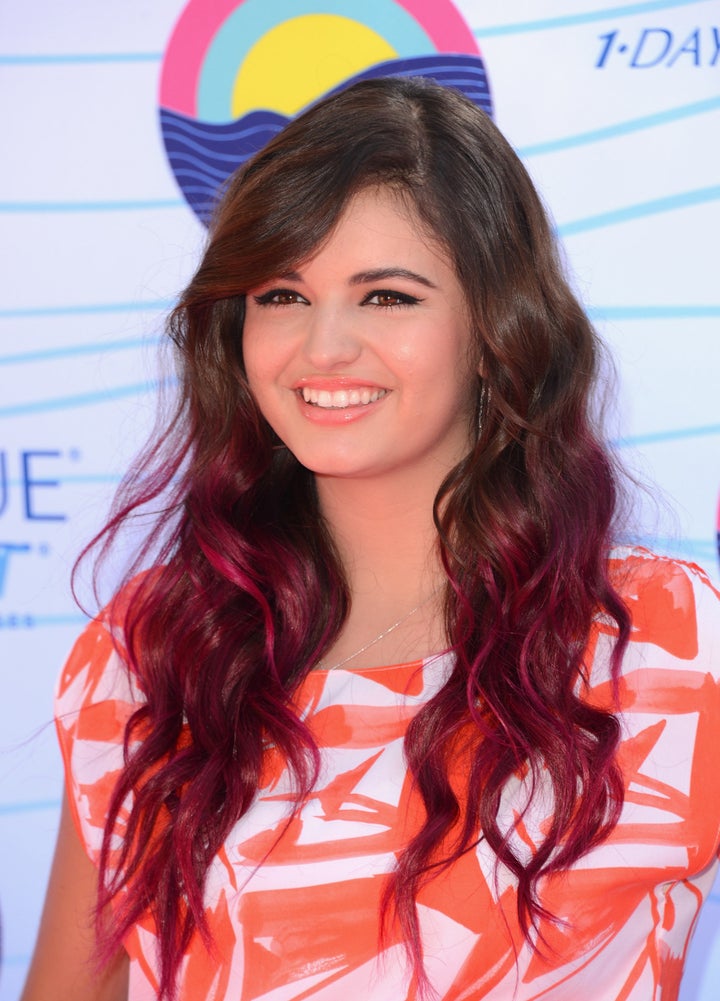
x,y
381,225
384,205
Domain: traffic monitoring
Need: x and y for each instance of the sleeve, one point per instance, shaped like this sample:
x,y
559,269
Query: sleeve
x,y
95,696
670,709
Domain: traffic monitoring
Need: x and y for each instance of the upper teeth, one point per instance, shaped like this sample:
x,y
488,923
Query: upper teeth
x,y
341,397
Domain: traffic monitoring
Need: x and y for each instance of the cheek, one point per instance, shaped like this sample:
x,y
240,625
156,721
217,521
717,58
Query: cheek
x,y
265,375
410,350
262,395
248,342
267,348
449,352
255,378
256,360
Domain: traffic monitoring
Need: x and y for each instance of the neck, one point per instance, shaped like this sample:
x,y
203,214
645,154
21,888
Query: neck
x,y
385,534
388,545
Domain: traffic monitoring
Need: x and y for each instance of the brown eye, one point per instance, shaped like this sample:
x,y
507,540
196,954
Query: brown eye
x,y
279,297
388,298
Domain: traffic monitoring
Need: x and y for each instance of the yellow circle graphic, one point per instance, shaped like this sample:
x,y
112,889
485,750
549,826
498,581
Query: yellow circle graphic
x,y
297,60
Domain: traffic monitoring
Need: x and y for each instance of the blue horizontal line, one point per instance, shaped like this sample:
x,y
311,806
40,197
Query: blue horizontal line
x,y
16,960
79,478
671,540
676,434
704,547
104,206
622,128
80,400
50,58
705,557
606,312
101,307
705,551
685,199
26,620
587,17
70,350
40,804
653,312
92,478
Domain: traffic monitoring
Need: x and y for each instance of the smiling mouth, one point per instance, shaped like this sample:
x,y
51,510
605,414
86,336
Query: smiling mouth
x,y
339,399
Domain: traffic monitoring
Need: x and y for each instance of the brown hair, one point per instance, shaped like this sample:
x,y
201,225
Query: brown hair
x,y
251,591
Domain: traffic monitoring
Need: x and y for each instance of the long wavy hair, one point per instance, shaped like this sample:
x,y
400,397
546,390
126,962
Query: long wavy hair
x,y
248,591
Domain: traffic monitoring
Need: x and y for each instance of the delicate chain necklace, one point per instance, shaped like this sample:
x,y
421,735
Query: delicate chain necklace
x,y
383,634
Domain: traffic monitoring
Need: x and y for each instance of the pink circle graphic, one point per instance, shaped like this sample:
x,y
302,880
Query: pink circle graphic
x,y
199,23
206,140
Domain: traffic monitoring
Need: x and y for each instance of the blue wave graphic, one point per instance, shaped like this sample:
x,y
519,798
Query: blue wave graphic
x,y
203,155
463,72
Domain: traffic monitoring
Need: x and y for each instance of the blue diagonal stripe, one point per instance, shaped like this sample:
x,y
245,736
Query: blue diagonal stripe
x,y
132,205
674,434
50,58
677,544
624,312
133,306
70,350
684,312
665,117
75,478
586,17
685,199
21,620
31,806
79,400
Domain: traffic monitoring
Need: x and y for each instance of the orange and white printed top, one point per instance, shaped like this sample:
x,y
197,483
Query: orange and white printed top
x,y
304,923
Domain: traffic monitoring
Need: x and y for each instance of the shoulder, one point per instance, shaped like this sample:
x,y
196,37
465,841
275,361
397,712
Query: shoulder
x,y
670,669
668,704
673,605
95,670
96,694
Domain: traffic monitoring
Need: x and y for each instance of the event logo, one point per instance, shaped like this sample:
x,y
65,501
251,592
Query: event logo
x,y
32,506
236,71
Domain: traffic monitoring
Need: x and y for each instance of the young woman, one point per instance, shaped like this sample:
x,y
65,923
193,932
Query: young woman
x,y
387,717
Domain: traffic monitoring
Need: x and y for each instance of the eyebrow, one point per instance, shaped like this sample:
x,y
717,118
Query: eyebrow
x,y
380,274
375,275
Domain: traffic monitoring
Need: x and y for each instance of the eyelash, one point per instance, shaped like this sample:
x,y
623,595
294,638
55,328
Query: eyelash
x,y
404,299
266,298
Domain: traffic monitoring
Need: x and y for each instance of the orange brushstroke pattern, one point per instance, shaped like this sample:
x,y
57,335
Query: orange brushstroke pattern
x,y
304,923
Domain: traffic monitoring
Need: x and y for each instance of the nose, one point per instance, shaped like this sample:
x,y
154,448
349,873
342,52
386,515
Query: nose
x,y
332,339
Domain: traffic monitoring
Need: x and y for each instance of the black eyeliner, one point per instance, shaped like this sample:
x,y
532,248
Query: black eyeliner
x,y
405,299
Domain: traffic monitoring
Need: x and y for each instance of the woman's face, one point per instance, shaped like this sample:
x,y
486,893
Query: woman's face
x,y
361,359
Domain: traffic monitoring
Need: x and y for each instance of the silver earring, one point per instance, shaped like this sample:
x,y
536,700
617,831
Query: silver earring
x,y
483,400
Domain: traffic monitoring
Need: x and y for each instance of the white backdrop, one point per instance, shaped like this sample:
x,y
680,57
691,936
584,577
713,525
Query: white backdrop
x,y
616,112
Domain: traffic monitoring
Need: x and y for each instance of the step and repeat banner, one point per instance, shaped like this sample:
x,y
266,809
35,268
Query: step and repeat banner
x,y
119,119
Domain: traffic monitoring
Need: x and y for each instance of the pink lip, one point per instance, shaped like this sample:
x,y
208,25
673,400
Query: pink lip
x,y
332,383
328,416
